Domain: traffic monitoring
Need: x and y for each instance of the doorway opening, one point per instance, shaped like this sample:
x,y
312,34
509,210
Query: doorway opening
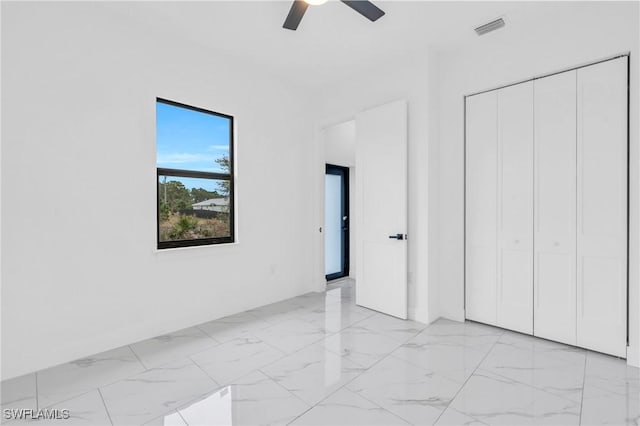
x,y
336,222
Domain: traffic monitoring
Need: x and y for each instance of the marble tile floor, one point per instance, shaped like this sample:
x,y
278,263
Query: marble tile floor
x,y
318,359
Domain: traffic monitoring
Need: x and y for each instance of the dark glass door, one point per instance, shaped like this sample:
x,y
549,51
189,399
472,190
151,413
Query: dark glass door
x,y
336,222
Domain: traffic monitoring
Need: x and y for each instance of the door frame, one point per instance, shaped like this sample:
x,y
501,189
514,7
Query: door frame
x,y
343,172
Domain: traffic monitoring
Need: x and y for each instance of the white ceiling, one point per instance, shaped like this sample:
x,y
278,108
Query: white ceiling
x,y
335,42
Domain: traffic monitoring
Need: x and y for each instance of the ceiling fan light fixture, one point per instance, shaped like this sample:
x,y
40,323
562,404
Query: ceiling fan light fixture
x,y
299,7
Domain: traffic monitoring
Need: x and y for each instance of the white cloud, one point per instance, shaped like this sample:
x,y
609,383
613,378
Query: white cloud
x,y
183,157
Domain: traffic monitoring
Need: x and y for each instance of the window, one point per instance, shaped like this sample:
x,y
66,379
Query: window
x,y
195,176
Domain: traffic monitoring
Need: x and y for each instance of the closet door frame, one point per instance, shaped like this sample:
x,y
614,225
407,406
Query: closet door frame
x,y
481,242
601,329
464,221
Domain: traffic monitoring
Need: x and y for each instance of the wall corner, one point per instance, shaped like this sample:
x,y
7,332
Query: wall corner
x,y
633,356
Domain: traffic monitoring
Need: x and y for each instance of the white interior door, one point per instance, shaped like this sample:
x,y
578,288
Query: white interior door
x,y
515,208
381,208
602,207
481,207
555,207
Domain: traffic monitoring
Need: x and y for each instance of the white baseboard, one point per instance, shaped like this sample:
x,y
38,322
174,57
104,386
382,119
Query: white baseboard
x,y
418,314
633,356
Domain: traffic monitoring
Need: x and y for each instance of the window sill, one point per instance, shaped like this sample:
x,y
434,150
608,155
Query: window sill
x,y
204,247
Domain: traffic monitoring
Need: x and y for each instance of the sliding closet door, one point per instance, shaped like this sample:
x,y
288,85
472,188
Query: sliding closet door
x,y
481,207
515,208
602,206
555,207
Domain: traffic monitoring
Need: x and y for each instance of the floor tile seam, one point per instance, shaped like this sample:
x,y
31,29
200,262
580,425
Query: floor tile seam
x,y
442,340
203,330
286,353
67,399
209,348
301,414
247,312
541,389
349,326
365,318
381,407
327,396
100,386
373,330
138,358
182,417
356,362
37,396
219,385
144,368
542,351
208,336
428,372
164,413
528,385
271,324
402,342
164,364
246,335
215,382
470,415
277,382
189,401
584,379
325,336
302,316
104,404
95,355
465,382
416,365
365,315
348,359
365,369
199,337
323,308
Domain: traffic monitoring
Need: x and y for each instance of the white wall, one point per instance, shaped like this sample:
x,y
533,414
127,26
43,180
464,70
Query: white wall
x,y
342,101
596,31
80,270
339,143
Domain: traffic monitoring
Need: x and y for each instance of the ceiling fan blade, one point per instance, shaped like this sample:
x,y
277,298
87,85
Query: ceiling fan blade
x,y
365,8
295,15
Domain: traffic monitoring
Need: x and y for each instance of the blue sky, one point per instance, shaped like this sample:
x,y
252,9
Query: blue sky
x,y
190,140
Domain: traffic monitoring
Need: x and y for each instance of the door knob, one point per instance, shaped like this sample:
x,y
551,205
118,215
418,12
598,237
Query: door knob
x,y
397,237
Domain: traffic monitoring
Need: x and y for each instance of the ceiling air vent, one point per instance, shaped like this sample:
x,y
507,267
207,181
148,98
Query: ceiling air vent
x,y
490,26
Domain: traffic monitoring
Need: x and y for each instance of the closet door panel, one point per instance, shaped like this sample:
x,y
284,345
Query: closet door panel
x,y
515,213
481,209
555,207
602,206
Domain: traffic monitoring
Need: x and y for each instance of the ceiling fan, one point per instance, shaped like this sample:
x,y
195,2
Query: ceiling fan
x,y
299,7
